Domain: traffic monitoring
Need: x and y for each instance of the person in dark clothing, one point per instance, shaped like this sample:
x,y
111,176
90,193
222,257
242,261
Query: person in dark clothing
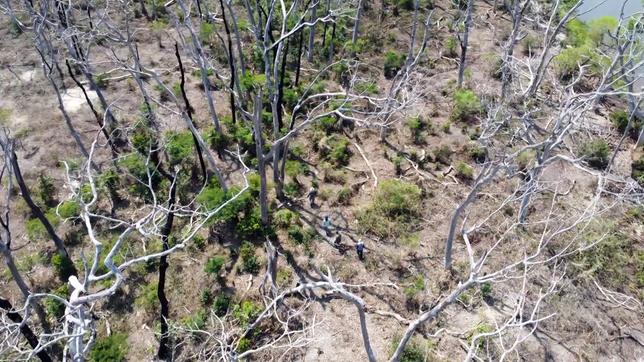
x,y
337,240
311,195
360,249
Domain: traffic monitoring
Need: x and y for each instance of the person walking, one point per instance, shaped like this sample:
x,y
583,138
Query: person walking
x,y
326,225
360,249
311,195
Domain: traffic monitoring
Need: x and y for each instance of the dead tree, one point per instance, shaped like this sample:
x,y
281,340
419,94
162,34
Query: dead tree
x,y
464,41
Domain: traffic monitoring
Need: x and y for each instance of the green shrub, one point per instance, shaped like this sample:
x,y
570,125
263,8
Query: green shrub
x,y
63,266
69,208
568,60
214,264
55,307
477,153
250,264
196,320
530,43
284,218
46,189
416,127
336,150
246,312
393,63
327,124
221,304
451,47
486,290
637,171
112,348
35,230
344,195
596,153
101,80
464,171
414,286
294,168
179,146
244,344
466,105
394,210
414,351
147,298
443,154
206,30
620,121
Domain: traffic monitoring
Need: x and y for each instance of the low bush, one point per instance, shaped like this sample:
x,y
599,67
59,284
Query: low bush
x,y
451,47
46,190
284,218
250,264
68,209
246,312
179,146
477,153
112,348
221,304
596,153
620,120
335,150
63,266
196,320
393,63
464,171
416,350
637,171
394,210
416,127
466,105
443,154
214,264
55,307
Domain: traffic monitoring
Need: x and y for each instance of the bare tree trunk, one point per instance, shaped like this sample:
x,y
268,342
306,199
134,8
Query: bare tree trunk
x,y
231,61
26,195
486,175
309,54
261,165
164,348
356,24
188,110
464,42
24,329
517,16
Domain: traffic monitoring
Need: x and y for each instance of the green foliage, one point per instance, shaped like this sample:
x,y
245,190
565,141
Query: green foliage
x,y
568,61
486,290
147,298
46,189
394,210
596,153
179,146
416,126
250,264
526,158
196,320
530,43
63,266
284,218
35,230
415,350
112,348
451,47
244,344
414,286
214,264
393,63
221,304
443,154
620,121
142,137
464,171
404,4
206,31
335,149
295,168
246,312
477,153
637,171
466,105
252,82
327,124
68,209
101,80
55,307
616,261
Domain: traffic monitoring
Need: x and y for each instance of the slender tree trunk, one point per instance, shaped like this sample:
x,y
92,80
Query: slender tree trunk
x,y
231,62
299,58
261,165
507,57
164,348
26,195
24,329
188,109
356,24
332,43
464,42
309,54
